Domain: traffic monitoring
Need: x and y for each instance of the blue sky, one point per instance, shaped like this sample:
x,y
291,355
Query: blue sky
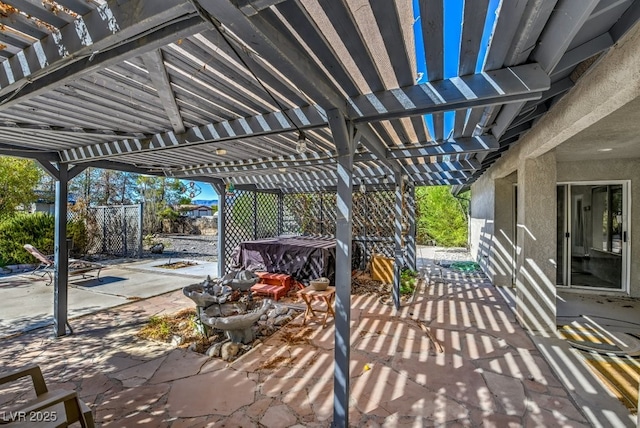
x,y
453,15
207,191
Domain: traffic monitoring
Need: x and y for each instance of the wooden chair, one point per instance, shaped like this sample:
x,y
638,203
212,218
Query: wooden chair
x,y
76,267
57,408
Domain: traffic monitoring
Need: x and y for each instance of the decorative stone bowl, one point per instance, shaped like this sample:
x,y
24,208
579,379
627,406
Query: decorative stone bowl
x,y
319,284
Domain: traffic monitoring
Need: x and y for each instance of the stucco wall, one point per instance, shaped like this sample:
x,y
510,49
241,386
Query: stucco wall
x,y
481,222
606,170
491,229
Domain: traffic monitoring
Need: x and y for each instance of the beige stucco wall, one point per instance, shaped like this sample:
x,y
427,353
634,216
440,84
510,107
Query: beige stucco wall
x,y
491,229
481,222
491,238
607,170
536,266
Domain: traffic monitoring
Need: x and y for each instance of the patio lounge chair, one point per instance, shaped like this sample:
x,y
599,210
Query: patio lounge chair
x,y
56,408
76,267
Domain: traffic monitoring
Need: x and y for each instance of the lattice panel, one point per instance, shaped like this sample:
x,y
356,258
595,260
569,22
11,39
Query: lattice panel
x,y
302,213
380,214
240,221
328,214
267,215
359,216
386,247
312,214
114,230
249,216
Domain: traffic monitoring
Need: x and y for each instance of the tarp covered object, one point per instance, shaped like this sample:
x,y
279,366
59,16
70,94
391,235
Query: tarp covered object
x,y
304,258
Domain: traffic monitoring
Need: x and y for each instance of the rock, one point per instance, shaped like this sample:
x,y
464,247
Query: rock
x,y
291,313
193,347
263,317
229,351
157,248
271,313
177,340
281,310
281,320
215,350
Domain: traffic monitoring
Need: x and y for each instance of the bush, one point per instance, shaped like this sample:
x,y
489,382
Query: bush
x,y
77,232
35,229
38,230
408,280
169,214
441,217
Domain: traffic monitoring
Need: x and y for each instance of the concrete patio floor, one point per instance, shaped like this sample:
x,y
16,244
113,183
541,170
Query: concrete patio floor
x,y
490,372
26,302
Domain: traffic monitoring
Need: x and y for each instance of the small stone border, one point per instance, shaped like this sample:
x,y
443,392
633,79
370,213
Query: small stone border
x,y
21,268
277,317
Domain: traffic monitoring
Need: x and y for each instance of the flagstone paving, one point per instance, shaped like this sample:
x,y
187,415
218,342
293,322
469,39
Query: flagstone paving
x,y
485,372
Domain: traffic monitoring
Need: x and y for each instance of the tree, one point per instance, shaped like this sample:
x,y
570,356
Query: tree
x,y
158,195
18,179
441,217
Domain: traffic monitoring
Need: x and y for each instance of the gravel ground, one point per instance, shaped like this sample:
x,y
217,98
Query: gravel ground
x,y
204,247
194,247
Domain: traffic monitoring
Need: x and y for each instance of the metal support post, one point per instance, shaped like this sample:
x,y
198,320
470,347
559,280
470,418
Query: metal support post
x,y
61,255
222,242
410,243
140,228
123,213
343,139
399,258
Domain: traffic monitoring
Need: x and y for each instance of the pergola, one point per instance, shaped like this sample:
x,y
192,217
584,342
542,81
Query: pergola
x,y
231,91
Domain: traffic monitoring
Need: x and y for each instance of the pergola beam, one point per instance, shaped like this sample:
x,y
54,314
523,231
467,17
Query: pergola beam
x,y
252,7
376,146
450,147
155,65
578,54
82,46
329,178
507,85
277,49
521,83
263,124
9,150
563,25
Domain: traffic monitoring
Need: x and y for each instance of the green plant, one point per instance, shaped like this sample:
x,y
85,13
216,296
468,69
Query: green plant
x,y
408,281
38,230
441,217
158,328
77,232
16,231
169,213
18,178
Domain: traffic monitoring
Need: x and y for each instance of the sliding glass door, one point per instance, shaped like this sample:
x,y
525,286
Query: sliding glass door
x,y
592,242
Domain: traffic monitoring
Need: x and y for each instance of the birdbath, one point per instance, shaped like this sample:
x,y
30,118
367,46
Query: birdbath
x,y
229,308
